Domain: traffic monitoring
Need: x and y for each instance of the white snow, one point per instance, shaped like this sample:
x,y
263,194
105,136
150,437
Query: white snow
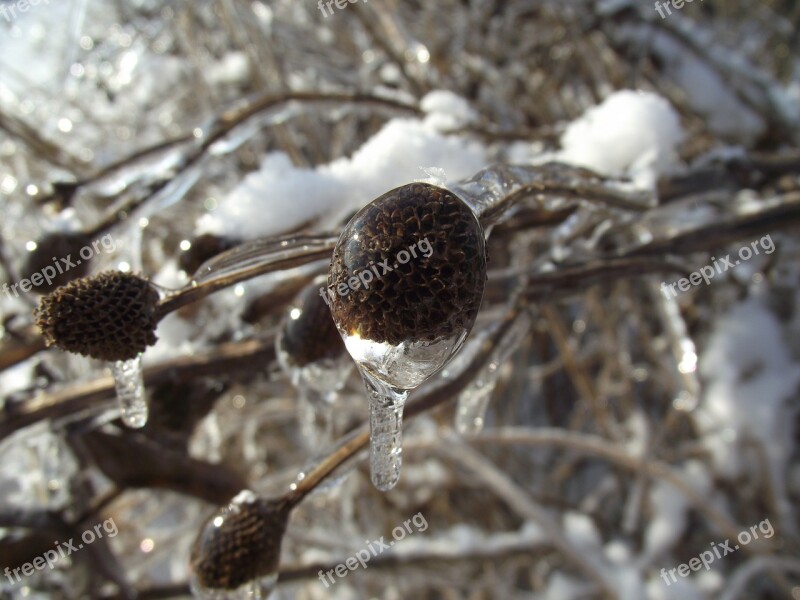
x,y
706,92
631,132
279,196
750,397
669,507
445,110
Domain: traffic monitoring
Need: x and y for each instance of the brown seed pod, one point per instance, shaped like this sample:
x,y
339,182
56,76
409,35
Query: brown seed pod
x,y
312,336
64,247
110,316
203,248
438,289
241,543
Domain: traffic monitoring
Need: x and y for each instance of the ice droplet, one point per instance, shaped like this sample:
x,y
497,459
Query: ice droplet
x,y
258,589
311,351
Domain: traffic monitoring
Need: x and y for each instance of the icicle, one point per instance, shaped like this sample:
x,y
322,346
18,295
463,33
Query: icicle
x,y
386,431
474,400
129,383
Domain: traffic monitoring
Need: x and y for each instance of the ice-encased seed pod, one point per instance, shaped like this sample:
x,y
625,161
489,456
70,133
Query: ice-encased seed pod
x,y
406,282
240,546
53,256
203,248
309,334
312,353
110,316
434,293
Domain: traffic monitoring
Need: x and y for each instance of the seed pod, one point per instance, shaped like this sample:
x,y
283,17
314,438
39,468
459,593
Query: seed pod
x,y
241,543
426,251
203,248
58,245
312,336
110,316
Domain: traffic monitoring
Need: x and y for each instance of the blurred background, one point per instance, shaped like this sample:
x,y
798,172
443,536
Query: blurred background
x,y
630,426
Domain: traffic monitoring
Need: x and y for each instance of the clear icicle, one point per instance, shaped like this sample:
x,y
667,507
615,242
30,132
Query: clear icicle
x,y
318,385
316,417
129,384
474,400
386,432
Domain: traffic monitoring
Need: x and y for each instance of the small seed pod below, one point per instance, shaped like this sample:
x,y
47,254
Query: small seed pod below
x,y
238,549
410,266
110,316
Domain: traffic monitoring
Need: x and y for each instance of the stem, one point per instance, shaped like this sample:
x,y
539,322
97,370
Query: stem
x,y
246,261
492,191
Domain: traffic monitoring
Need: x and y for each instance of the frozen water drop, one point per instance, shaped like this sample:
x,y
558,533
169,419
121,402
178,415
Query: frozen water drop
x,y
129,384
404,322
259,589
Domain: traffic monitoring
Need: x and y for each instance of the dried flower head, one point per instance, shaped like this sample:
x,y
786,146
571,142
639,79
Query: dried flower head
x,y
53,253
110,316
311,335
430,295
240,543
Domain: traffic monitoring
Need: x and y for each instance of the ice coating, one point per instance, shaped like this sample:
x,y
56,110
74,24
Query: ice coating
x,y
129,383
407,280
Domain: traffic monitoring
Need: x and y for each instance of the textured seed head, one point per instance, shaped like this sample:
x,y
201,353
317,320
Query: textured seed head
x,y
110,316
241,543
58,245
311,336
435,293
